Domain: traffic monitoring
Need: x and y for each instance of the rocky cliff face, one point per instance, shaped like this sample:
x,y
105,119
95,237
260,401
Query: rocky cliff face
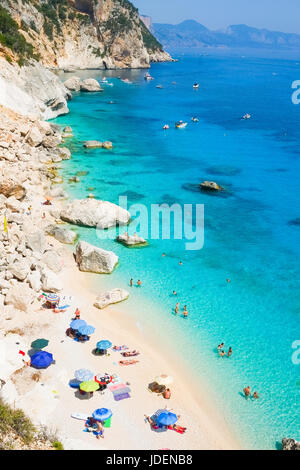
x,y
63,34
86,33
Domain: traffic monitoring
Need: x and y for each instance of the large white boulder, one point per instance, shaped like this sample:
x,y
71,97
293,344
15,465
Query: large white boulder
x,y
73,84
63,235
52,260
111,297
34,280
95,260
90,84
50,281
20,270
36,241
20,297
34,137
94,213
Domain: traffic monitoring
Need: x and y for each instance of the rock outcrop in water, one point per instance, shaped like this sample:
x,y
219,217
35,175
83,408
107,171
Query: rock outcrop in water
x,y
94,213
290,444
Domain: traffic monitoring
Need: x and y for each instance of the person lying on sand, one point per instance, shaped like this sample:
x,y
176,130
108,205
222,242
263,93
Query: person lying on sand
x,y
177,428
128,362
77,314
130,353
120,348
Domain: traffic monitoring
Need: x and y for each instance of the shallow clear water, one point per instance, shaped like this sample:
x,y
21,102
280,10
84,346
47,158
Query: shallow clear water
x,y
248,235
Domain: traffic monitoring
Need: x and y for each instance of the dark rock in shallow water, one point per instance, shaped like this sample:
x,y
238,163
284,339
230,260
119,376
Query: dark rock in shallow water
x,y
224,170
195,188
295,222
132,195
290,444
210,186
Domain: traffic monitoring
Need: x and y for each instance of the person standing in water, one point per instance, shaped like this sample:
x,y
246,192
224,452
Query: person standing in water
x,y
255,395
139,283
229,351
131,282
247,391
185,312
177,308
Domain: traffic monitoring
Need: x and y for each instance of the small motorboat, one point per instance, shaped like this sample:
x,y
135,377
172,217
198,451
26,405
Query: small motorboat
x,y
159,86
148,77
246,116
125,80
196,86
166,126
180,125
194,119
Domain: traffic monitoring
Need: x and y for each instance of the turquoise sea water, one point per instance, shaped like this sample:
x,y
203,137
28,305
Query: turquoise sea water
x,y
249,237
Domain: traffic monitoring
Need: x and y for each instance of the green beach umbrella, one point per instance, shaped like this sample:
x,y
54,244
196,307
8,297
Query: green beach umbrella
x,y
90,386
39,343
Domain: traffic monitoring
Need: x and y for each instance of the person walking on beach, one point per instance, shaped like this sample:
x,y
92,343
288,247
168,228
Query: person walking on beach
x,y
185,312
77,314
177,308
247,391
229,351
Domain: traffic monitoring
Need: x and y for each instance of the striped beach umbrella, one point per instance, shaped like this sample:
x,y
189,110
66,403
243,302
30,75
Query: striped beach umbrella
x,y
76,324
89,386
102,414
53,298
86,330
84,375
104,344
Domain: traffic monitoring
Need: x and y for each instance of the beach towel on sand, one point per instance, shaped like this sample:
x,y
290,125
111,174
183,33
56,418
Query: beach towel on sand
x,y
122,396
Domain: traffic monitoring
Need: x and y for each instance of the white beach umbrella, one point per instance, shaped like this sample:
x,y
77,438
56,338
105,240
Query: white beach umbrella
x,y
164,379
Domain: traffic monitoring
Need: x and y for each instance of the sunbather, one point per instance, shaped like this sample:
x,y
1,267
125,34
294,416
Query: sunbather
x,y
130,353
120,348
177,428
128,362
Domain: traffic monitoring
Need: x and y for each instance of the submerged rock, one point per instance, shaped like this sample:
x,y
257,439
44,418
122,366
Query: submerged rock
x,y
131,240
111,297
94,213
93,144
90,84
95,260
210,186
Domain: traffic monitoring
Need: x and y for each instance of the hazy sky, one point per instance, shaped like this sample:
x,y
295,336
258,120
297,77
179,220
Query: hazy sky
x,y
280,15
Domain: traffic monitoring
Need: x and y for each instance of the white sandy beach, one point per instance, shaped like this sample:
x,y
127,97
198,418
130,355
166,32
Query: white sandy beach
x,y
51,401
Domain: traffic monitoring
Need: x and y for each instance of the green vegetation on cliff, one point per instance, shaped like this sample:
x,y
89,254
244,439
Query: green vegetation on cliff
x,y
11,38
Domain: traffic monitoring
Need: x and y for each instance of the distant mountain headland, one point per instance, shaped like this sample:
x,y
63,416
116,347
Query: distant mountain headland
x,y
193,35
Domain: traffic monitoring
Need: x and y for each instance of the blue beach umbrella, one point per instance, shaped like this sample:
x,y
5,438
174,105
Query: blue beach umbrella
x,y
86,330
41,360
104,344
166,418
75,324
84,375
102,414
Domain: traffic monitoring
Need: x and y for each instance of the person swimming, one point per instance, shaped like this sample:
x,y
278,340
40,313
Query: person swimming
x,y
174,292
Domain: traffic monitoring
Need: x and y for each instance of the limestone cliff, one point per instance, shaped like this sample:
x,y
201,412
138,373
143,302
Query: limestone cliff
x,y
86,33
38,35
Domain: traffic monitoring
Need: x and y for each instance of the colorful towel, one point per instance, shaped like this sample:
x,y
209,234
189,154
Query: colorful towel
x,y
113,388
122,390
122,396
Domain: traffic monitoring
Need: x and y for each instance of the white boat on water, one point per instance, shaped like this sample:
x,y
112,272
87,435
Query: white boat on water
x,y
196,86
180,125
148,77
246,116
